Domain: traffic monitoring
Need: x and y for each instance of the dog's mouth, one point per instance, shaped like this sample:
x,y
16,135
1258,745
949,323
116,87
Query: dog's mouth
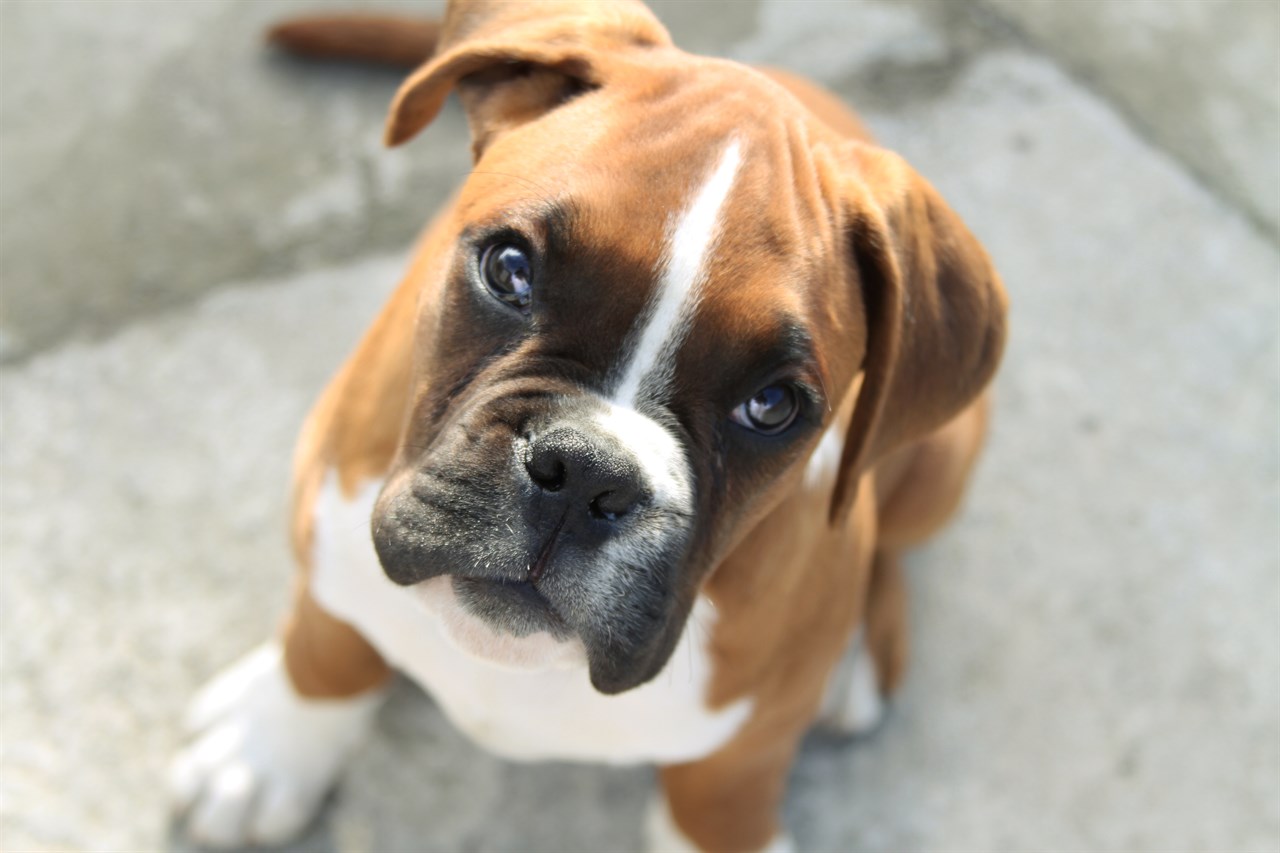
x,y
507,624
517,607
539,566
576,562
514,607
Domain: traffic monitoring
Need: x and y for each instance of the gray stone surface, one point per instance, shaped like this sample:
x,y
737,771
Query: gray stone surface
x,y
205,158
1096,640
1201,78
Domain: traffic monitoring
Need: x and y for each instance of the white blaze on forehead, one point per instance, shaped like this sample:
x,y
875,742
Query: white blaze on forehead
x,y
683,272
824,464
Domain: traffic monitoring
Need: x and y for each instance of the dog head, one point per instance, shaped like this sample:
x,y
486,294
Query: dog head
x,y
662,279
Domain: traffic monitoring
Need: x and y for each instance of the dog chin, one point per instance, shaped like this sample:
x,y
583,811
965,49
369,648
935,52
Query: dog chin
x,y
477,639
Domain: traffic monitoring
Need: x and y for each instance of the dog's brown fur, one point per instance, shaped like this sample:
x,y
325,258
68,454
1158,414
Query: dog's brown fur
x,y
913,437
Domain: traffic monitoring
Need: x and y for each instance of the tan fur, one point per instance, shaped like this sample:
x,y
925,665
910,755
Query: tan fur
x,y
371,38
354,430
808,566
493,35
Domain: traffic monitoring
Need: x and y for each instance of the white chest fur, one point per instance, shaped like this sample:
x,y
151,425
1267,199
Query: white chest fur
x,y
551,712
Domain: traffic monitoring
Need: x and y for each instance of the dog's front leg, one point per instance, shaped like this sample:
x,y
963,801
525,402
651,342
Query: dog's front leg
x,y
273,730
727,802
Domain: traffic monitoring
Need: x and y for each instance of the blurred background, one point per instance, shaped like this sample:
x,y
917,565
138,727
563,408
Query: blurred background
x,y
194,231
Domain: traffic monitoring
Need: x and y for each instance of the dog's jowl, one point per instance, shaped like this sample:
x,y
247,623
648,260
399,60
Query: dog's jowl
x,y
623,470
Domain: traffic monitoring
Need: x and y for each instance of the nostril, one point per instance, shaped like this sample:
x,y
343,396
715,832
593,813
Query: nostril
x,y
586,472
612,504
547,471
598,511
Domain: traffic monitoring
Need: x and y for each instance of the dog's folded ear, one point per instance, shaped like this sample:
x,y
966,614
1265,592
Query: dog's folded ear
x,y
934,311
511,62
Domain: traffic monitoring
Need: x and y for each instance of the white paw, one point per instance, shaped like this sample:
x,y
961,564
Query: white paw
x,y
263,756
663,836
853,704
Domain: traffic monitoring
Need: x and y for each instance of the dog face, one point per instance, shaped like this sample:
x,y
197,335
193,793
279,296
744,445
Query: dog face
x,y
650,311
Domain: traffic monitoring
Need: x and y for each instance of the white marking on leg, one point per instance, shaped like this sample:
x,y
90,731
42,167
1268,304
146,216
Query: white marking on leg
x,y
853,704
264,756
865,707
680,283
820,473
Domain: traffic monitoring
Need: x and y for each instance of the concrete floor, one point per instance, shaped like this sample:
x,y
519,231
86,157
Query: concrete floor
x,y
1096,640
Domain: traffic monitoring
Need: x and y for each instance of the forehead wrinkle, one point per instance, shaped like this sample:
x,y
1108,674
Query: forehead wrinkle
x,y
796,344
551,218
666,320
770,346
798,351
559,222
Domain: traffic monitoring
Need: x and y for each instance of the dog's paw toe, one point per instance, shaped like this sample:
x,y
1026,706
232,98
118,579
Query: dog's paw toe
x,y
282,813
241,808
220,816
230,801
265,756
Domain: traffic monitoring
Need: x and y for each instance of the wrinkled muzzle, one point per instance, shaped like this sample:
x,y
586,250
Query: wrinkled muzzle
x,y
551,513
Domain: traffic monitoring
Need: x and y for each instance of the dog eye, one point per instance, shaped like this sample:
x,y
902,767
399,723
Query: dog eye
x,y
770,411
508,274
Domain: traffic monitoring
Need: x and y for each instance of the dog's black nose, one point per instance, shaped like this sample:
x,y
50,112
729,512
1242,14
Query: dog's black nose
x,y
584,472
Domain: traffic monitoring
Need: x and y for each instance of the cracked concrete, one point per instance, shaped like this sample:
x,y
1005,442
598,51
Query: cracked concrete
x,y
1218,111
1096,641
212,160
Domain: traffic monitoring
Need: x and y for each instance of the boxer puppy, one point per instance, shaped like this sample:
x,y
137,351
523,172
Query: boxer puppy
x,y
668,387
